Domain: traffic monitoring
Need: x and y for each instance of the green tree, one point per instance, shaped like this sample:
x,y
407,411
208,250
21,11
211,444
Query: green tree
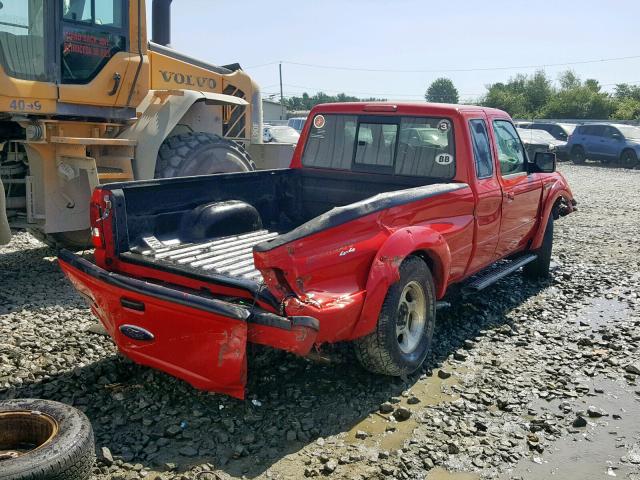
x,y
307,102
522,96
442,90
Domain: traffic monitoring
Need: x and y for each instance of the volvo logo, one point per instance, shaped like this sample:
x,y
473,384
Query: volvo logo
x,y
136,333
186,79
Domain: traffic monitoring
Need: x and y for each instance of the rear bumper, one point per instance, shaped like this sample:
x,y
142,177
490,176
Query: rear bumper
x,y
197,338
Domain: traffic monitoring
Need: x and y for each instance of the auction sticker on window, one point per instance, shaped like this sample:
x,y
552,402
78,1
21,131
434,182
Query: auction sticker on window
x,y
444,125
318,121
444,159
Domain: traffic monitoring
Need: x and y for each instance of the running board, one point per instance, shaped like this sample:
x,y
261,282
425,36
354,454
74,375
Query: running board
x,y
492,275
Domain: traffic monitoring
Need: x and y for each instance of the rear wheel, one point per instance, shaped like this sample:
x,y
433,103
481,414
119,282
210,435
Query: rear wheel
x,y
629,159
199,153
403,335
578,155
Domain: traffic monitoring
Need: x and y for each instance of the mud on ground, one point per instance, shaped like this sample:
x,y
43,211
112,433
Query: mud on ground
x,y
527,380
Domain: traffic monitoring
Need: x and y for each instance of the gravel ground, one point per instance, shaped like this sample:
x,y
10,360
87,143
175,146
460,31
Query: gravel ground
x,y
527,380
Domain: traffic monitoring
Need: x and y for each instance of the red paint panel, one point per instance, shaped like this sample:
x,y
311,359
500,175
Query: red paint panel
x,y
205,349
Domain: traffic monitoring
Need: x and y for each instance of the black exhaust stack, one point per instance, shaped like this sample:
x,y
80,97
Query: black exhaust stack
x,y
161,22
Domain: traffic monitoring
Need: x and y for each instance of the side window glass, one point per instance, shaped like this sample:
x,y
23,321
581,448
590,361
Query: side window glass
x,y
510,150
481,148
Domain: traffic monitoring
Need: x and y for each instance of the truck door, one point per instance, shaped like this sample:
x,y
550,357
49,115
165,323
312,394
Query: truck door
x,y
520,191
95,53
489,197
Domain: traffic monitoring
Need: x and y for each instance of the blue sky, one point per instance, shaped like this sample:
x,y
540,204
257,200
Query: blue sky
x,y
409,35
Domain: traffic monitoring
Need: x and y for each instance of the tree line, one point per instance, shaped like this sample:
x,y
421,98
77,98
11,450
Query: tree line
x,y
524,96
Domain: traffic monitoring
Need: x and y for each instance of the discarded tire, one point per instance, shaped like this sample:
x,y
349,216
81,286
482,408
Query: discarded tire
x,y
42,439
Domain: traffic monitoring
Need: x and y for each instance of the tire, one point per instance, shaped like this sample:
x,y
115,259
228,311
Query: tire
x,y
74,240
539,268
65,454
386,351
199,153
578,155
629,159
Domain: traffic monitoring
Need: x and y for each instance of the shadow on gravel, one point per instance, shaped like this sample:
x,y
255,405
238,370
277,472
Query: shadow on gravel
x,y
148,418
31,278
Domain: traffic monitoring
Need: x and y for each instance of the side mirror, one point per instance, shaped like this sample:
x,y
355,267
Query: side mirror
x,y
544,162
616,136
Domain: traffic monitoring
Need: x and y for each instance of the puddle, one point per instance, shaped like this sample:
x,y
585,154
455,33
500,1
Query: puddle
x,y
442,474
388,434
594,452
603,312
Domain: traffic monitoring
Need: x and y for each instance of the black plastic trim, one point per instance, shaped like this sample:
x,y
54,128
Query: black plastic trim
x,y
236,312
156,291
132,304
340,215
262,317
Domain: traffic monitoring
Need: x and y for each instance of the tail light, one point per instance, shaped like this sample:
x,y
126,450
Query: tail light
x,y
99,211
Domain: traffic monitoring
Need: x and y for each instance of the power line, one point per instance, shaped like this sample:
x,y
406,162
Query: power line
x,y
413,95
447,70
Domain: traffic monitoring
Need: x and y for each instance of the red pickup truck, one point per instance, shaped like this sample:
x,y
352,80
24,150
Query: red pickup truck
x,y
384,207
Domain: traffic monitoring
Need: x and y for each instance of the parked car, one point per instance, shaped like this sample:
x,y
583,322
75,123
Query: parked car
x,y
357,241
541,141
280,134
608,143
559,131
297,123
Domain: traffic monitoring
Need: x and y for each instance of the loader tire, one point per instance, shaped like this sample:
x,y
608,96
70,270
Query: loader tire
x,y
199,153
74,240
403,335
42,439
539,268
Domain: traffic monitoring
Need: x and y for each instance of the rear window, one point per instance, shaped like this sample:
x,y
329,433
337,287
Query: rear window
x,y
409,146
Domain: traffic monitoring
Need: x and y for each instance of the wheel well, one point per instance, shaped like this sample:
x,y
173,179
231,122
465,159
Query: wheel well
x,y
576,147
427,257
627,149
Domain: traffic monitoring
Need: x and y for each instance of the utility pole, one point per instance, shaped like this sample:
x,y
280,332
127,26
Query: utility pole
x,y
282,113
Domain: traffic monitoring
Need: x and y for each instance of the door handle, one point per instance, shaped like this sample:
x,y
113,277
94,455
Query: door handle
x,y
509,195
116,84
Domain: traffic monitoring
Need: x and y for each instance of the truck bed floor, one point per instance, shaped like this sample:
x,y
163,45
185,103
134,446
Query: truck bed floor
x,y
229,256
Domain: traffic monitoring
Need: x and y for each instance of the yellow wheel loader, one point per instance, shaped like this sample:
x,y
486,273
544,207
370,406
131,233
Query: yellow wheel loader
x,y
86,99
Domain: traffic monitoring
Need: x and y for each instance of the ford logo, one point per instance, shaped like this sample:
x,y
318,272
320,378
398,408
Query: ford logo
x,y
136,333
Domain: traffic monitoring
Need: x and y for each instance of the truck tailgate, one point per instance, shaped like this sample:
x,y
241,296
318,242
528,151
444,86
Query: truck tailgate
x,y
199,339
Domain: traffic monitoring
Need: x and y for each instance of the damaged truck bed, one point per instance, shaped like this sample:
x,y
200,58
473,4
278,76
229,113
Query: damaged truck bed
x,y
383,208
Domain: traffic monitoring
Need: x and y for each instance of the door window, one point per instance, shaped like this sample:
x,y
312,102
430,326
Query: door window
x,y
93,32
511,153
481,148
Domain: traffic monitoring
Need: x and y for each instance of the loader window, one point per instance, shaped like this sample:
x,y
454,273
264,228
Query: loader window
x,y
22,46
92,33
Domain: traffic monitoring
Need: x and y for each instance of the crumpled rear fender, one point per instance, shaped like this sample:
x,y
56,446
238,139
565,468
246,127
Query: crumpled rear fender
x,y
385,269
557,189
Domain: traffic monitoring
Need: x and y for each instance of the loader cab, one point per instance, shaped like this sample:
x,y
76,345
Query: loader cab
x,y
89,33
69,44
